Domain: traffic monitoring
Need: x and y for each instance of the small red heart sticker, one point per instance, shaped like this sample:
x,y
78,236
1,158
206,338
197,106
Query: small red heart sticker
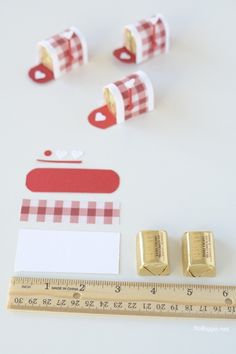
x,y
124,55
41,74
102,118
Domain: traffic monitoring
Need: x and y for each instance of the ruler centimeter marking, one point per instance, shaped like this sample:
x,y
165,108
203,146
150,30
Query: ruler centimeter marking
x,y
122,297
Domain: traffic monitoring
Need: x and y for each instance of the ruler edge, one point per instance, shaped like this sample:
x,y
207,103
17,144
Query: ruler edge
x,y
115,282
116,312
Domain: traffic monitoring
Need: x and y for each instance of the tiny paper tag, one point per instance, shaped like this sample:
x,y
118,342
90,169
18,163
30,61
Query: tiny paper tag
x,y
125,55
39,75
100,117
61,154
129,84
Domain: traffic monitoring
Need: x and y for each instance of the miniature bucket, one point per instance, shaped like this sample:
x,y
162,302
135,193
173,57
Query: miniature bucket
x,y
59,54
124,99
143,40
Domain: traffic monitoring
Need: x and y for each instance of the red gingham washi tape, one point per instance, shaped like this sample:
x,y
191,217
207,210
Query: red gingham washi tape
x,y
74,212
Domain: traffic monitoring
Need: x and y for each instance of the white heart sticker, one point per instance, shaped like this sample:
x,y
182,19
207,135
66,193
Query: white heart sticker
x,y
68,34
39,75
61,154
130,83
100,117
125,55
76,154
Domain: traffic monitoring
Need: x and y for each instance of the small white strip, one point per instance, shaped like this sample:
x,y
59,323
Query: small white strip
x,y
56,67
83,43
167,30
138,40
120,109
149,87
67,251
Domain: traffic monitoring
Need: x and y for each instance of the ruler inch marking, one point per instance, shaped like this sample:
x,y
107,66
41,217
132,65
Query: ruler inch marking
x,y
122,297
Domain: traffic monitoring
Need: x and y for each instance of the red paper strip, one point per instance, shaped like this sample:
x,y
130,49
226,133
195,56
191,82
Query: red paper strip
x,y
72,180
59,161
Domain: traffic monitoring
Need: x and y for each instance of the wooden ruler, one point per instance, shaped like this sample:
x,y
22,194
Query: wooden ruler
x,y
122,298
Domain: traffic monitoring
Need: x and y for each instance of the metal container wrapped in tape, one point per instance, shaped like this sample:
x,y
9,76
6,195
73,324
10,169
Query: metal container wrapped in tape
x,y
59,54
143,40
124,99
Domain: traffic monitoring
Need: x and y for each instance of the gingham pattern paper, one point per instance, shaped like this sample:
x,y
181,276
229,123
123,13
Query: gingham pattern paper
x,y
153,37
135,98
69,50
74,212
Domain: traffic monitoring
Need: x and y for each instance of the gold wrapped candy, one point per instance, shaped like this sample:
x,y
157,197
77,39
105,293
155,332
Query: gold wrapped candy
x,y
109,100
198,254
45,58
129,40
152,253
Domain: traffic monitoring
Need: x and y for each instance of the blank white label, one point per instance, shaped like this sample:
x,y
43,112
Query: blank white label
x,y
67,251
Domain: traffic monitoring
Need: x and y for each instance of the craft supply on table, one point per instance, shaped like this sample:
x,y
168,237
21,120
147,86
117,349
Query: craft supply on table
x,y
124,99
70,211
59,54
72,180
152,253
198,254
67,251
122,298
61,156
143,40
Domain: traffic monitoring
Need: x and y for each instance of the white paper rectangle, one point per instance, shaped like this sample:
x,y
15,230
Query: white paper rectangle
x,y
67,251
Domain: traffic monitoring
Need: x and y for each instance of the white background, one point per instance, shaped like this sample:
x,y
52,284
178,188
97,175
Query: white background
x,y
176,164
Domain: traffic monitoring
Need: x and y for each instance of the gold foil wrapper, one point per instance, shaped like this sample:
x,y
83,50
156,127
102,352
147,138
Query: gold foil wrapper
x,y
45,58
129,41
152,253
109,100
198,254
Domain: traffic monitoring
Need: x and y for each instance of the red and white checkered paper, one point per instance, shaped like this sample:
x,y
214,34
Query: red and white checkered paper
x,y
74,212
153,37
68,50
135,98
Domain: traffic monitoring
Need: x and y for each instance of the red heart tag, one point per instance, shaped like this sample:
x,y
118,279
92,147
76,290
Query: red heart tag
x,y
41,74
102,118
124,55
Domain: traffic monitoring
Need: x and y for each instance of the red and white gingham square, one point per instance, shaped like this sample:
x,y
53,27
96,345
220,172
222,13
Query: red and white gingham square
x,y
69,50
135,98
74,212
153,37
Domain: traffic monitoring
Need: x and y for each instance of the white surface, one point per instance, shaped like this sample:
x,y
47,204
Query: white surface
x,y
177,163
67,252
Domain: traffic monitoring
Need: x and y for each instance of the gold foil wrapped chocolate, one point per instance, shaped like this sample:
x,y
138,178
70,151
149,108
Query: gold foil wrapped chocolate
x,y
129,41
152,253
109,100
45,58
198,254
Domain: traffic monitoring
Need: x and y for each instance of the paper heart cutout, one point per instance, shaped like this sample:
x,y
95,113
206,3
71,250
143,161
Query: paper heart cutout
x,y
130,83
76,154
39,75
61,154
68,34
125,55
100,117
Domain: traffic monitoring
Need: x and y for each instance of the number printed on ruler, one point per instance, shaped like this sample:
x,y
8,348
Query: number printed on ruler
x,y
124,298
